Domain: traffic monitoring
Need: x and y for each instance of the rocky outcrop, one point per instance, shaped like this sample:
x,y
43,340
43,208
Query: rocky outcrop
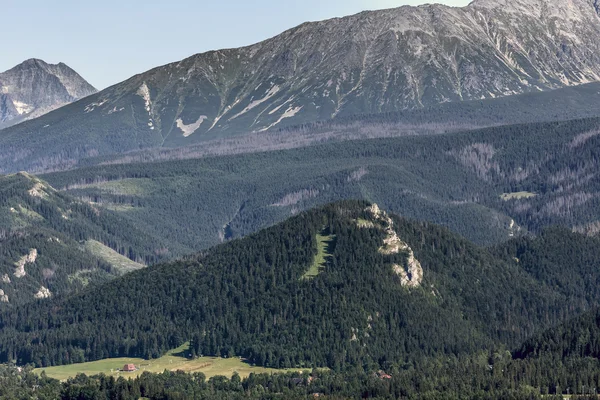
x,y
43,293
27,259
411,273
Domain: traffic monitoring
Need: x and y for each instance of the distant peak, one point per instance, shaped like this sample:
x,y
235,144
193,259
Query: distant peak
x,y
34,61
39,63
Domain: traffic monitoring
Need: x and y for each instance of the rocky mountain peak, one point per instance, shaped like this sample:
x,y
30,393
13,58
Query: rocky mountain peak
x,y
35,87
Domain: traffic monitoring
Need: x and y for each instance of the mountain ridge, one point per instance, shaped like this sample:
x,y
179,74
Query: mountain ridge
x,y
372,62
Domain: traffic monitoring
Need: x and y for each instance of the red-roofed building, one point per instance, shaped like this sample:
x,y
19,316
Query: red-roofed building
x,y
129,368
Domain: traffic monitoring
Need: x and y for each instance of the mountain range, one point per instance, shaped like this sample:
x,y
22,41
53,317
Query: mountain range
x,y
34,88
405,200
372,62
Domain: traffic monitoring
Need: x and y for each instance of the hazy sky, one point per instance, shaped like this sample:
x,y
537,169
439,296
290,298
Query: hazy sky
x,y
110,40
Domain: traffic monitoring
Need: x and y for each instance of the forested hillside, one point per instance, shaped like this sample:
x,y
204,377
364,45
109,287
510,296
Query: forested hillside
x,y
59,148
548,174
387,290
51,244
577,338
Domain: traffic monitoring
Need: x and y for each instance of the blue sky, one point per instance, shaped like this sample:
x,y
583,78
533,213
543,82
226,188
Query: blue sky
x,y
110,40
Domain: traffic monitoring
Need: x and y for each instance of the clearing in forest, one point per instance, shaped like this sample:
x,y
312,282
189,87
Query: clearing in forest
x,y
174,360
325,244
118,261
123,187
517,196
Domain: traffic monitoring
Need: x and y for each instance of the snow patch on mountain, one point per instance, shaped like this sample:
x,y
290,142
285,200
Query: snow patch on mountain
x,y
289,113
255,103
22,108
144,93
92,106
189,129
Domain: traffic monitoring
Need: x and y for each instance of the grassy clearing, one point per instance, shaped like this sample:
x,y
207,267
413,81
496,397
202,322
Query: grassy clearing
x,y
121,263
118,207
82,277
172,361
30,213
125,187
517,196
324,244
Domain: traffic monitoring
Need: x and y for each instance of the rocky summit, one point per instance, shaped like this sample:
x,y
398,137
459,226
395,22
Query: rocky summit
x,y
34,88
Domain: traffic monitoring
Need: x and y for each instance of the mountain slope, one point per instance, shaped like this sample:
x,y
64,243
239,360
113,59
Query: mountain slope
x,y
488,185
51,244
577,338
372,62
34,88
571,103
388,289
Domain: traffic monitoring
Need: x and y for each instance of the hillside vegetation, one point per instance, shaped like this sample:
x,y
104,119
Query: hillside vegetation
x,y
247,298
52,244
456,180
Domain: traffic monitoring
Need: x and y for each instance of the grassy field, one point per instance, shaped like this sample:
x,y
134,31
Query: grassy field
x,y
130,187
121,263
517,196
323,246
172,361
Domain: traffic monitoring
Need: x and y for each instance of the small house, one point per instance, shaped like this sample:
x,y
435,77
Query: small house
x,y
129,368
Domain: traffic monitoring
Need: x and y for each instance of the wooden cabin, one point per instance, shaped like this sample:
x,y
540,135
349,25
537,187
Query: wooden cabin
x,y
129,368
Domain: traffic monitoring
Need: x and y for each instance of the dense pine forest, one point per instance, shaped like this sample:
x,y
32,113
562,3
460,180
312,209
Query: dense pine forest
x,y
52,244
456,180
249,298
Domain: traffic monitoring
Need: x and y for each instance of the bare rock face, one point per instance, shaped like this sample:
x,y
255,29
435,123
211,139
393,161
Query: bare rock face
x,y
34,88
43,293
411,274
26,259
375,61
